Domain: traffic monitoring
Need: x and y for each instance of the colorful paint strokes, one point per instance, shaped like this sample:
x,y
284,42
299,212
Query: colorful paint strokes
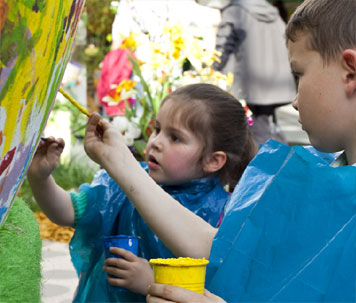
x,y
35,43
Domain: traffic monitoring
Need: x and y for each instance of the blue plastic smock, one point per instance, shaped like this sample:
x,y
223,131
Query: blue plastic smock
x,y
289,231
109,212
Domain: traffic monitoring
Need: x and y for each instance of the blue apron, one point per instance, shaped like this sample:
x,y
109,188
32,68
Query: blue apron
x,y
289,231
109,212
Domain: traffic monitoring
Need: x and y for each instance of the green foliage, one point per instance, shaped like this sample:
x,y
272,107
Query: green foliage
x,y
20,256
77,119
98,18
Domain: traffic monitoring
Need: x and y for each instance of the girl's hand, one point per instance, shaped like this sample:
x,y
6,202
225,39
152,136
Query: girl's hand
x,y
46,158
102,142
129,271
163,293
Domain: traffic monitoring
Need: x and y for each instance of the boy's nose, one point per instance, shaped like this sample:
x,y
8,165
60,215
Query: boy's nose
x,y
295,102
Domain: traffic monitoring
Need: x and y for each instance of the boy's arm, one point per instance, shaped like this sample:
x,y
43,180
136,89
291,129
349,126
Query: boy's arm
x,y
54,201
184,233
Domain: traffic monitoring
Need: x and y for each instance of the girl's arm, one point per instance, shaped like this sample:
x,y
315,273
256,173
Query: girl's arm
x,y
184,233
54,201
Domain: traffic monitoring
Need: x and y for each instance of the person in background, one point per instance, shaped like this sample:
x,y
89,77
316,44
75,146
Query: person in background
x,y
201,143
251,40
283,12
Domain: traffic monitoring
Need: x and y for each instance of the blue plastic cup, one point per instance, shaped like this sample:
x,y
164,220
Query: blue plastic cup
x,y
126,242
129,243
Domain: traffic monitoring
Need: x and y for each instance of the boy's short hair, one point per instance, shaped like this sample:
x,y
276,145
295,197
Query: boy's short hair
x,y
331,25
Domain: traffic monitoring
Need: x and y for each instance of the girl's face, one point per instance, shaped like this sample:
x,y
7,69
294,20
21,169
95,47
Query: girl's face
x,y
173,151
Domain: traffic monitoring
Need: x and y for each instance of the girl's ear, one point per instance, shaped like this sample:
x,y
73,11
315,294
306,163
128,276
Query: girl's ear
x,y
215,162
349,64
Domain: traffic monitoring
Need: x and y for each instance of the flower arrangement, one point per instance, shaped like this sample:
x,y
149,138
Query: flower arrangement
x,y
160,65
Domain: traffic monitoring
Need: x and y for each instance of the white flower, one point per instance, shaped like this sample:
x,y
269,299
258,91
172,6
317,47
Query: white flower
x,y
129,141
129,129
121,123
133,130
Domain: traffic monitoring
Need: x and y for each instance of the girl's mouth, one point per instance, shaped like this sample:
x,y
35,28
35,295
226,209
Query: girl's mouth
x,y
152,162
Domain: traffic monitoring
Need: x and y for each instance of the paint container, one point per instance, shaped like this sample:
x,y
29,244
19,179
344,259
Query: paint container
x,y
129,243
188,273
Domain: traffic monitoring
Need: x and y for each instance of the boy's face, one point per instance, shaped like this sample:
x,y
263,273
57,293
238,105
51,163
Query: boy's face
x,y
173,152
320,101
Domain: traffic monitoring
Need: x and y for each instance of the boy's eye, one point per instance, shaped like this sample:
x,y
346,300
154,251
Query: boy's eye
x,y
296,77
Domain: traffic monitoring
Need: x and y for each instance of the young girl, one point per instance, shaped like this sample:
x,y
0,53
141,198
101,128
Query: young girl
x,y
201,142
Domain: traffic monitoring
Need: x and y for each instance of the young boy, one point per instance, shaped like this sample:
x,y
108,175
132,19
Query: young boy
x,y
289,231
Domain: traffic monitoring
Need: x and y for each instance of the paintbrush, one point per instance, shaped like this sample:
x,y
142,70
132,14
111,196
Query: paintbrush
x,y
76,104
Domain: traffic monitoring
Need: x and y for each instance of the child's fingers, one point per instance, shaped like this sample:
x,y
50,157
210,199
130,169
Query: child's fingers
x,y
118,262
93,122
115,271
123,253
56,146
153,299
51,144
174,293
116,282
212,296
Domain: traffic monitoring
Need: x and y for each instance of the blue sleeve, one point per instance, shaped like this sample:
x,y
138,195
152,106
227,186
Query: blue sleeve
x,y
80,202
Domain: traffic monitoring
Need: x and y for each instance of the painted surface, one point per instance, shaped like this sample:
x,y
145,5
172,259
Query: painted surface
x,y
35,43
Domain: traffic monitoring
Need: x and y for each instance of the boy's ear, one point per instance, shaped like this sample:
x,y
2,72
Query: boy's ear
x,y
215,162
349,64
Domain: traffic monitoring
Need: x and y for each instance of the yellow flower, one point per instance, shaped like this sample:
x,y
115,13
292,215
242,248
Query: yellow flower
x,y
127,85
229,79
130,42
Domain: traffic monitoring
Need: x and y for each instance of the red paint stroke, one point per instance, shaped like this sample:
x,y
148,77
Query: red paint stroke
x,y
7,160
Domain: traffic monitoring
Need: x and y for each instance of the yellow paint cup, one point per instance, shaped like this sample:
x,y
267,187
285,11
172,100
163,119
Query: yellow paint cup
x,y
184,272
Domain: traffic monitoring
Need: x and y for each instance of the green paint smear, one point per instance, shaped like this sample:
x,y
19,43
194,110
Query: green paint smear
x,y
20,256
18,46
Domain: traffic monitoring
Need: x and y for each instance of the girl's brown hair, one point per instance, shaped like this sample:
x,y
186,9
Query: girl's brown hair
x,y
218,119
331,25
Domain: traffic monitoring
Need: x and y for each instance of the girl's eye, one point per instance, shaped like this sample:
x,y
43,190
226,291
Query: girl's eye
x,y
157,129
175,138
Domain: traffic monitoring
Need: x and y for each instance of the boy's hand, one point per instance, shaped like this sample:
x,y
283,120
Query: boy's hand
x,y
160,293
130,271
46,158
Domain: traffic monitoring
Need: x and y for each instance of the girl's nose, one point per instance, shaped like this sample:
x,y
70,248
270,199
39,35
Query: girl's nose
x,y
295,102
156,141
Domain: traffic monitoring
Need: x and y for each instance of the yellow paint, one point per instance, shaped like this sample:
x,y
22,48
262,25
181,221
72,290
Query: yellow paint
x,y
188,273
33,74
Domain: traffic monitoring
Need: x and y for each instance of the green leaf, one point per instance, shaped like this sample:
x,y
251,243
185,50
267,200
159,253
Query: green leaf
x,y
140,146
